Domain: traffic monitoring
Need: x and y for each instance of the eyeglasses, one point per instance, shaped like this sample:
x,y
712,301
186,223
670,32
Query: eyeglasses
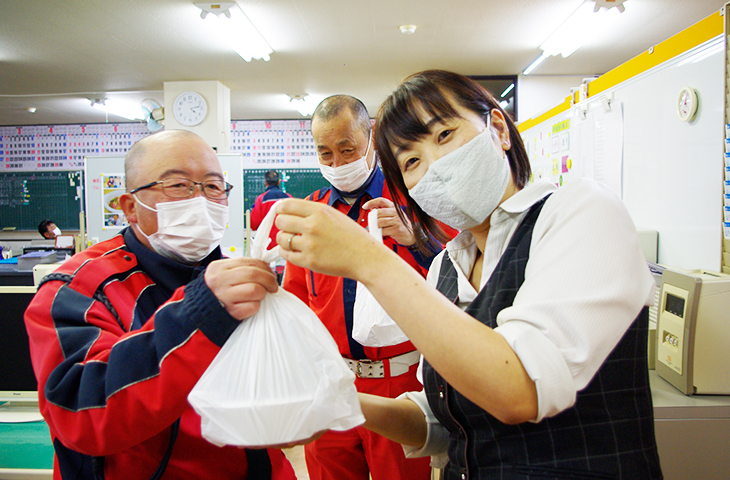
x,y
184,188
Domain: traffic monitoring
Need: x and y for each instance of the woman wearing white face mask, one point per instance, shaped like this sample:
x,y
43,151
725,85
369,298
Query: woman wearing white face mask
x,y
535,352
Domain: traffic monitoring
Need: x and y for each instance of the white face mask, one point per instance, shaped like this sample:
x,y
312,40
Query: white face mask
x,y
56,231
351,176
464,187
187,230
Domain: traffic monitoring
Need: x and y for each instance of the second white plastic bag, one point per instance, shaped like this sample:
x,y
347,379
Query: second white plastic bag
x,y
279,378
371,325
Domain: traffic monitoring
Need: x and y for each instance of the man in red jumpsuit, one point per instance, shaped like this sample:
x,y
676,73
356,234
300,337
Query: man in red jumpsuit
x,y
265,201
345,148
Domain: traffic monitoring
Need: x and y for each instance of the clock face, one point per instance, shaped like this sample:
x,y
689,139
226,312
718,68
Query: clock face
x,y
189,108
687,104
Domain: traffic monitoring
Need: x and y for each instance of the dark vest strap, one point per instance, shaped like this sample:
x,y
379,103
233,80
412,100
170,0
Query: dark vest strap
x,y
448,280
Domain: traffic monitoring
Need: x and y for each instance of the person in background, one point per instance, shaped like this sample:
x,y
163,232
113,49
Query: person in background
x,y
343,138
48,229
121,332
265,201
532,323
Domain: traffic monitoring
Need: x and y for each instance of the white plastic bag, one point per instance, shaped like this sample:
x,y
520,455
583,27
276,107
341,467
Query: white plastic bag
x,y
371,325
279,378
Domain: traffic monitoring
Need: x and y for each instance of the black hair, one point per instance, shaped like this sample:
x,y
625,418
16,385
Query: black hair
x,y
399,122
43,227
271,177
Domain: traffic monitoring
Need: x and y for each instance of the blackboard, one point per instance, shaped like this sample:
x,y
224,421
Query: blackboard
x,y
297,182
26,198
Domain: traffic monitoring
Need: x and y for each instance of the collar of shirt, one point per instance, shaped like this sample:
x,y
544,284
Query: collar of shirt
x,y
163,271
503,223
373,187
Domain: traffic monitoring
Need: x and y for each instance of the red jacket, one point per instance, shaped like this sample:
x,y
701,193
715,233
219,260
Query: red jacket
x,y
261,207
119,336
333,298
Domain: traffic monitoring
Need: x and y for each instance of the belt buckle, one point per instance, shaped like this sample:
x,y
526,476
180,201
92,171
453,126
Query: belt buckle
x,y
370,369
358,368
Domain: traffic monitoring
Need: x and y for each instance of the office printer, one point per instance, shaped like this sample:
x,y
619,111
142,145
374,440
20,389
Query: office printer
x,y
693,331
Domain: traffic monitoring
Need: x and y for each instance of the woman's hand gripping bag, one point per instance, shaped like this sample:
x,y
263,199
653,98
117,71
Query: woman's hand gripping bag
x,y
371,325
279,378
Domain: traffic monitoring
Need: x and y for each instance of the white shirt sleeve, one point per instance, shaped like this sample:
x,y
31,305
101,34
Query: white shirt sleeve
x,y
437,437
585,281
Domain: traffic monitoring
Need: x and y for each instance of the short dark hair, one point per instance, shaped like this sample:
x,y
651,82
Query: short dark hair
x,y
399,122
271,177
43,227
331,106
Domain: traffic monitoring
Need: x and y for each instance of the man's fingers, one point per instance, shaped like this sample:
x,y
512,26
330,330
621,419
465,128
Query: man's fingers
x,y
240,284
378,202
242,311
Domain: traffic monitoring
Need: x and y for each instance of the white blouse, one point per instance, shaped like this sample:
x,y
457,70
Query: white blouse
x,y
585,281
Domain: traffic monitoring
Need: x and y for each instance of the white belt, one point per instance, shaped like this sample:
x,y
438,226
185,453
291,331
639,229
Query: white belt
x,y
376,368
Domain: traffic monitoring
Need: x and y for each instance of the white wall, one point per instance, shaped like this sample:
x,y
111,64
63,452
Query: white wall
x,y
538,93
672,171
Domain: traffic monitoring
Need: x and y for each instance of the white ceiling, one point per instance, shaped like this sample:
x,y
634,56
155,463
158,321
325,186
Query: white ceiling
x,y
57,54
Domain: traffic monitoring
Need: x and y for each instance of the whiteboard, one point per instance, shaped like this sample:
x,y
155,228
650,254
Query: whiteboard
x,y
102,185
671,172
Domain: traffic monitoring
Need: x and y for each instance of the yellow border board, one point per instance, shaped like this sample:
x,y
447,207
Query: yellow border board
x,y
688,38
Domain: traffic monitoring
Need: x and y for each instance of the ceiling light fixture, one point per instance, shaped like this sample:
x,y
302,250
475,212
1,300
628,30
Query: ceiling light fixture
x,y
215,9
31,109
619,4
534,64
230,26
507,90
584,23
130,111
407,29
304,104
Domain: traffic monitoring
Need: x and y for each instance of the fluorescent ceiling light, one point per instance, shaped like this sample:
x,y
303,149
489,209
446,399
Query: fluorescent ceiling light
x,y
304,104
587,22
230,26
575,30
215,8
130,111
534,64
507,90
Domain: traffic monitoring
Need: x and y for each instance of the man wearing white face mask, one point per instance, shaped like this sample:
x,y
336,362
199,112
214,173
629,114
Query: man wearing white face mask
x,y
122,332
48,229
343,137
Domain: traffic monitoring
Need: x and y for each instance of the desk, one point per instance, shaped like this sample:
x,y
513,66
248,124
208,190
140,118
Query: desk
x,y
11,277
692,432
27,451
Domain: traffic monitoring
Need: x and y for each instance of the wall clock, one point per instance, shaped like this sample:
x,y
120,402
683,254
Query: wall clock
x,y
190,108
687,104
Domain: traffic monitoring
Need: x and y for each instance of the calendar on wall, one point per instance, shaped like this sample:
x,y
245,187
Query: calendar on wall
x,y
63,147
263,144
274,143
